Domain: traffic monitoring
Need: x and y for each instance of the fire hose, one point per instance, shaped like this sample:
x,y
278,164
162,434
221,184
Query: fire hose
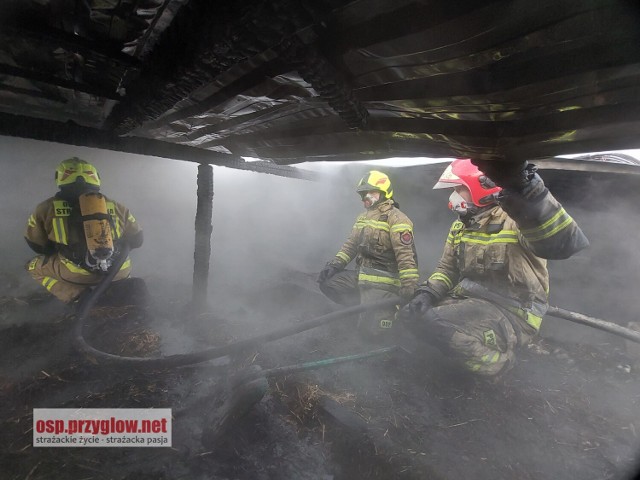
x,y
206,354
595,323
216,352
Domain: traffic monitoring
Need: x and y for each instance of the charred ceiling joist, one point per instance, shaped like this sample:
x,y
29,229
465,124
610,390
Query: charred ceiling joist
x,y
205,40
307,80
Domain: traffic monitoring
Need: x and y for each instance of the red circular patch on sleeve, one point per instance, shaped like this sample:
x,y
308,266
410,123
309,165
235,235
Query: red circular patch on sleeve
x,y
406,238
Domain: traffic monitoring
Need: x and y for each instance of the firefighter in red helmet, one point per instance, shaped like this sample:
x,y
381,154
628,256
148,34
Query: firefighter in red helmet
x,y
382,244
490,289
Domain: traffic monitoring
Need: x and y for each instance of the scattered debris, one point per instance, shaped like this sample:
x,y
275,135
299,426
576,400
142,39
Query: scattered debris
x,y
389,417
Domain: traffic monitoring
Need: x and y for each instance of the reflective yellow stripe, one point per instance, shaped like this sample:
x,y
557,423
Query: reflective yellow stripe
x,y
507,233
455,239
550,233
401,227
343,256
72,267
496,357
534,320
558,222
475,365
373,224
558,214
131,218
32,221
111,209
363,277
443,278
48,282
408,273
59,231
56,232
504,236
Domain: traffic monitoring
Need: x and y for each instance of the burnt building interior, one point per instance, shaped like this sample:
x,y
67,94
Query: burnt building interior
x,y
263,86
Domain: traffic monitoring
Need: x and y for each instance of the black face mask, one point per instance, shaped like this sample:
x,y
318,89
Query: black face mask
x,y
72,191
472,212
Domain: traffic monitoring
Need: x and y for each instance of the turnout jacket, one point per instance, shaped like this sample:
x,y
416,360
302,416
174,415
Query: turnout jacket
x,y
382,244
55,227
500,255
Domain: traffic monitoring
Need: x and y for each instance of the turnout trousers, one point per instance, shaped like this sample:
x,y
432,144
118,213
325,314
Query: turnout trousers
x,y
64,279
344,289
477,334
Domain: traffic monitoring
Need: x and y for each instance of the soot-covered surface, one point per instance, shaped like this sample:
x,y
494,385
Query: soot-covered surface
x,y
566,410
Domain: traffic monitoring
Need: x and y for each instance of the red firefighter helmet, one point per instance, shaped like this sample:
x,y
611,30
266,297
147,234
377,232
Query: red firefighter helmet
x,y
462,172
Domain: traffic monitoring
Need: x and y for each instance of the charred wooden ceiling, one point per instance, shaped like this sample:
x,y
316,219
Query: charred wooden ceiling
x,y
304,80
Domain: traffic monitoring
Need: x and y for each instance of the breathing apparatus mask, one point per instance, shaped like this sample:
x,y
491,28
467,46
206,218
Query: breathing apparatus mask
x,y
373,188
467,211
458,204
371,199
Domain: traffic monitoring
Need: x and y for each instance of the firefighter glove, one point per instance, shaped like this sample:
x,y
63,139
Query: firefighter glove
x,y
406,293
514,176
328,271
418,306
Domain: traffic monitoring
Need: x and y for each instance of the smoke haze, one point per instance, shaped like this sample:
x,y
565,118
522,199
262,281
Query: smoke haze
x,y
265,226
271,235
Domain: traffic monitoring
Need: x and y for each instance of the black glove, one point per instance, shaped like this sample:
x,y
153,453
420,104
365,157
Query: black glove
x,y
514,176
418,306
329,270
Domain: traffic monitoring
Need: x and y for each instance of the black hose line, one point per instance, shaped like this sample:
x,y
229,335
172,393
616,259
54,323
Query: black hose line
x,y
210,353
216,352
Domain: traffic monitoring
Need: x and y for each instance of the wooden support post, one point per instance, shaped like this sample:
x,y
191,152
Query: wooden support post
x,y
202,250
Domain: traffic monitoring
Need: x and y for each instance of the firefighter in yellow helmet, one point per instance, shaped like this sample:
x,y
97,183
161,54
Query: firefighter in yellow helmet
x,y
77,233
490,289
382,245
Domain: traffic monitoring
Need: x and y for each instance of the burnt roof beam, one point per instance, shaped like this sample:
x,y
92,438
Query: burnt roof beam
x,y
271,26
75,43
73,134
46,78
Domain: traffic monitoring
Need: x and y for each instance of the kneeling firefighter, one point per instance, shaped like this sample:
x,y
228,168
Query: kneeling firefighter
x,y
490,289
382,244
78,233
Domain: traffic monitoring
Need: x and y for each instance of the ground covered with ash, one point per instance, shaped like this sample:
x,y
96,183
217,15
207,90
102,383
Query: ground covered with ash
x,y
566,410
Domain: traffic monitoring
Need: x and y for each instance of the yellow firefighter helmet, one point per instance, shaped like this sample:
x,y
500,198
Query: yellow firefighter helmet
x,y
74,169
375,180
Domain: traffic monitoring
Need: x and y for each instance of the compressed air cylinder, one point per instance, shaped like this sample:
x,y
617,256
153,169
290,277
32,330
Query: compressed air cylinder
x,y
97,225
